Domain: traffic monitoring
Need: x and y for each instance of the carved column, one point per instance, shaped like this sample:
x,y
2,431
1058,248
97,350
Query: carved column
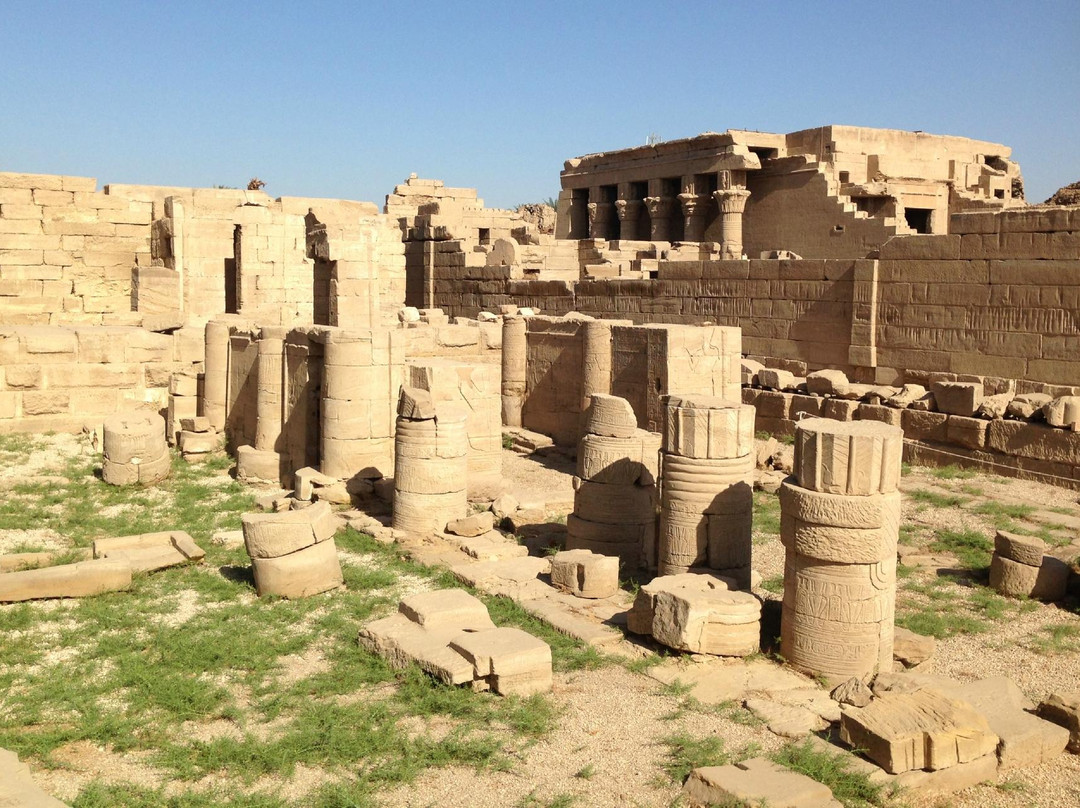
x,y
628,211
659,217
732,202
693,207
599,216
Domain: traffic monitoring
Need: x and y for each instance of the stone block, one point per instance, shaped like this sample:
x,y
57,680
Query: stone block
x,y
512,661
17,787
856,458
925,426
827,383
1048,581
970,433
147,552
270,535
958,398
401,642
306,572
78,580
446,608
610,416
1063,412
476,524
774,379
920,730
910,648
585,574
620,461
258,465
756,782
1022,549
198,442
1028,406
703,427
1063,709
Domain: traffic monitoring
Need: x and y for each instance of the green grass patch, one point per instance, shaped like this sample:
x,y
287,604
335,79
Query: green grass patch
x,y
686,753
924,497
1061,638
774,584
952,472
851,788
1007,510
766,514
971,548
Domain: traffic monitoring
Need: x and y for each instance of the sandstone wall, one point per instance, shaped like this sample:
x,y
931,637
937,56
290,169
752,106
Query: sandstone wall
x,y
66,377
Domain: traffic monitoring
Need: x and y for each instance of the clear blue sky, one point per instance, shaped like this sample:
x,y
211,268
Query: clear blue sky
x,y
345,99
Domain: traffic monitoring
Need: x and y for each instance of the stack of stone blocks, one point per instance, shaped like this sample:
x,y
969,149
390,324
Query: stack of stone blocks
x,y
615,486
134,449
292,552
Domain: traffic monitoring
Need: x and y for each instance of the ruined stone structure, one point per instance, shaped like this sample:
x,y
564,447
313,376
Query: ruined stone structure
x,y
840,523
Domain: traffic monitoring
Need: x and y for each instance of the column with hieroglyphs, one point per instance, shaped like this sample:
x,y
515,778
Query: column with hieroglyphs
x,y
707,501
216,377
514,350
839,525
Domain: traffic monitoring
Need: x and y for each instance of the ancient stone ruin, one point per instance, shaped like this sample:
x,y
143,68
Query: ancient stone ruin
x,y
873,296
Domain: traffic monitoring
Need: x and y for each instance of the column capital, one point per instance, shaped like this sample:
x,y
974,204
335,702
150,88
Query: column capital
x,y
731,200
627,208
659,205
691,203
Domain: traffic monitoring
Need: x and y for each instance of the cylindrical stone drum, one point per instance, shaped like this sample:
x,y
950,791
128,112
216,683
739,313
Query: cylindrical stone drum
x,y
134,449
839,525
431,472
216,377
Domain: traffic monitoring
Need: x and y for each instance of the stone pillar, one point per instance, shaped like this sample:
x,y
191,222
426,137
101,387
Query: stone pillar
x,y
361,377
732,202
628,211
513,369
839,525
269,396
216,377
707,508
430,464
596,361
599,216
693,207
659,217
615,486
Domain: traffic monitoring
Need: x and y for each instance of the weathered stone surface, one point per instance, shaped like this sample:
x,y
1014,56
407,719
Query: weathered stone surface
x,y
697,612
78,580
908,395
258,465
620,461
1063,412
511,660
504,505
856,458
786,720
443,608
305,572
610,416
475,525
1064,710
17,787
269,535
707,427
995,406
1049,581
585,574
920,730
1028,406
911,648
749,371
134,449
853,692
150,551
958,398
756,782
774,379
827,383
1022,549
416,404
307,480
402,642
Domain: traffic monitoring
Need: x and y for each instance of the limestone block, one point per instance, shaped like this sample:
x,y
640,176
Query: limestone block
x,y
620,461
1028,406
147,552
610,416
699,613
199,424
504,505
408,314
848,457
1023,549
839,528
749,372
1064,710
475,525
307,479
630,542
614,504
184,384
853,693
306,572
970,433
910,648
908,395
920,730
756,782
1049,581
415,404
707,427
446,608
269,535
773,379
1063,412
401,642
786,720
257,465
585,574
78,580
995,406
958,398
143,473
133,437
513,661
827,383
198,442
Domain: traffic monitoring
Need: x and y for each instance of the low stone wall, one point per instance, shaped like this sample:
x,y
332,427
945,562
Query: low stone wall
x,y
56,378
1032,451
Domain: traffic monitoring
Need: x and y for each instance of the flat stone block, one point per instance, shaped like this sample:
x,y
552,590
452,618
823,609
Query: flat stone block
x,y
756,782
585,574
